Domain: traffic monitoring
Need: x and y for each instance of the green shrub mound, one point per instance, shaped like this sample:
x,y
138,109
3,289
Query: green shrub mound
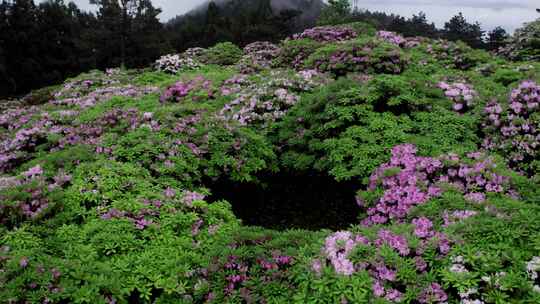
x,y
417,161
224,53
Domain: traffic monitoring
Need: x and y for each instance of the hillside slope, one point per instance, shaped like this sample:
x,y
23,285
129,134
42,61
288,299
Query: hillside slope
x,y
381,169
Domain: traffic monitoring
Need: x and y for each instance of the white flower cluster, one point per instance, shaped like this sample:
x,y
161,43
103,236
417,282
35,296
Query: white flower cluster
x,y
175,63
468,296
533,267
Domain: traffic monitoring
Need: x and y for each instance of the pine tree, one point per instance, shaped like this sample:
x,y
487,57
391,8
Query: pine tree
x,y
497,38
457,28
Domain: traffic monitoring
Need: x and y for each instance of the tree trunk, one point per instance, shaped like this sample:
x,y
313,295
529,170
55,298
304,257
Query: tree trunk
x,y
123,37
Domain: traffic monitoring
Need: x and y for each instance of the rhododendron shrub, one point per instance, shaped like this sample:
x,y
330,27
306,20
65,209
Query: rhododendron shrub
x,y
364,55
192,89
513,129
119,214
225,53
327,34
391,37
294,53
269,99
396,39
29,196
175,63
258,56
400,265
197,53
456,55
255,265
408,180
483,269
348,129
461,94
111,194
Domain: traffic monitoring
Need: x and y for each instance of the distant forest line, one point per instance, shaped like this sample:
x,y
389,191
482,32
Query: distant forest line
x,y
42,44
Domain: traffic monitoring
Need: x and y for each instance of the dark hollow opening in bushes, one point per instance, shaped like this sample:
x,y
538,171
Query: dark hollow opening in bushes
x,y
291,200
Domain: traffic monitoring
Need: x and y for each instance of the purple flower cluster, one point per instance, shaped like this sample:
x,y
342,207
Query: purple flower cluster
x,y
139,219
398,242
409,180
457,216
339,246
191,196
433,294
423,227
37,187
14,119
391,37
239,271
410,185
327,34
514,129
234,84
363,56
104,94
463,95
183,89
16,149
258,56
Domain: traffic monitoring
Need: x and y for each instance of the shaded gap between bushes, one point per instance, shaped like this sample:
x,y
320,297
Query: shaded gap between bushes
x,y
285,200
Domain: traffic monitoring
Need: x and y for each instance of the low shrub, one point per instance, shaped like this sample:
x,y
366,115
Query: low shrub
x,y
293,53
363,55
174,63
225,53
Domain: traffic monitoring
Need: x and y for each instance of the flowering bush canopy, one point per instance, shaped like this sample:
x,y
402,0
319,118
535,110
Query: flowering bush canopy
x,y
514,129
112,184
461,94
368,56
258,56
174,64
327,34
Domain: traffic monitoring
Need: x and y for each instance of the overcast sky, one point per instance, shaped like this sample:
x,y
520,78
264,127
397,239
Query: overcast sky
x,y
508,13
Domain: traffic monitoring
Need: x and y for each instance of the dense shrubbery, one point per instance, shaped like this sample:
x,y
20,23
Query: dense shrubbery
x,y
224,53
363,55
106,185
293,53
514,128
258,56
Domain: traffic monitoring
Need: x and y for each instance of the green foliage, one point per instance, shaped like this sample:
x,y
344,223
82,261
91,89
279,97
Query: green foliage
x,y
294,52
349,128
225,53
154,78
105,201
496,246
